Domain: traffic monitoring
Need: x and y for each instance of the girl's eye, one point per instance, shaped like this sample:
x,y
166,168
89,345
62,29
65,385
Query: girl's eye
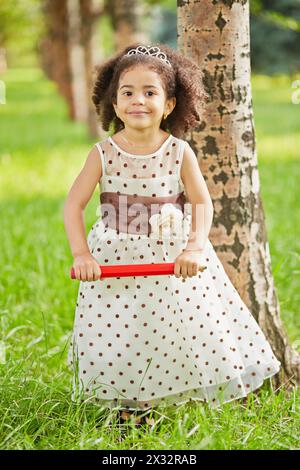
x,y
130,92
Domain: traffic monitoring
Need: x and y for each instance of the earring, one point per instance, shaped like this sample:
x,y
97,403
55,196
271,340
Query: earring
x,y
165,116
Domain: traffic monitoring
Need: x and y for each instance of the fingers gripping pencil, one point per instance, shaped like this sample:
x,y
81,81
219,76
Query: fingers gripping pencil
x,y
123,270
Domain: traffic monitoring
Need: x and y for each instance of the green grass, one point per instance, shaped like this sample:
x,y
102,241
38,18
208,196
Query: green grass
x,y
41,152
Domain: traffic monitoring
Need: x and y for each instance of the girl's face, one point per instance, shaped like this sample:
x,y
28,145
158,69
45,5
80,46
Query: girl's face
x,y
140,91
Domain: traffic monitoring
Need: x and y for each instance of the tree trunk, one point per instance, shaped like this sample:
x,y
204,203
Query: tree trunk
x,y
87,21
77,61
3,61
215,35
54,49
126,22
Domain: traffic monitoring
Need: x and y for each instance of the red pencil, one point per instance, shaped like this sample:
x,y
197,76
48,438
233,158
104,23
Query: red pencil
x,y
122,270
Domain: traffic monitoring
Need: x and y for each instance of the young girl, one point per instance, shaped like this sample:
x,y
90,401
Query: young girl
x,y
158,339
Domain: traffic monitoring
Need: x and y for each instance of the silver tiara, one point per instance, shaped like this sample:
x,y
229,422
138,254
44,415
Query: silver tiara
x,y
150,50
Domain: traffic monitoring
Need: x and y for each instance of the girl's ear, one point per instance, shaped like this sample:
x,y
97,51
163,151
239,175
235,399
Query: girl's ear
x,y
172,104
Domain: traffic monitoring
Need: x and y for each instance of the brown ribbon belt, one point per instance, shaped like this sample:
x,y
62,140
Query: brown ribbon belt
x,y
130,213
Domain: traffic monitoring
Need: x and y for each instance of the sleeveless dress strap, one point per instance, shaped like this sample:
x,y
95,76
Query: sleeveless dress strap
x,y
182,146
102,157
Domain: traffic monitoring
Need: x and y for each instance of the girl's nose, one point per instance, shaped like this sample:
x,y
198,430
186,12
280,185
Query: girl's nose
x,y
139,99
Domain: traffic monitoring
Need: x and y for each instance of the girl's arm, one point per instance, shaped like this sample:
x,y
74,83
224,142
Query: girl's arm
x,y
199,197
77,199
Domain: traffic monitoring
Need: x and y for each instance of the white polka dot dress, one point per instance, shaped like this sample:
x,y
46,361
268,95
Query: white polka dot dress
x,y
142,341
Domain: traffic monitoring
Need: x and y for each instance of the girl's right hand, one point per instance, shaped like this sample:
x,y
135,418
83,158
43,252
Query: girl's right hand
x,y
86,268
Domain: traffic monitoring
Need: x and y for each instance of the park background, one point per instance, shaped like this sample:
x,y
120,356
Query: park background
x,y
43,145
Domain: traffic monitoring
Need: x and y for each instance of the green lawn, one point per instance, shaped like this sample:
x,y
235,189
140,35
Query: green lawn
x,y
41,153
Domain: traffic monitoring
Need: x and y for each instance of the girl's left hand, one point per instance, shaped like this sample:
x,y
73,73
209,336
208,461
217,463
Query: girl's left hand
x,y
187,264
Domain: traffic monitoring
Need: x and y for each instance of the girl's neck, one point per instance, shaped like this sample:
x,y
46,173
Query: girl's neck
x,y
142,138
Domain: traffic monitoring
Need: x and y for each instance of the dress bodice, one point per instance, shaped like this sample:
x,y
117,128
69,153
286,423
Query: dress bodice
x,y
150,180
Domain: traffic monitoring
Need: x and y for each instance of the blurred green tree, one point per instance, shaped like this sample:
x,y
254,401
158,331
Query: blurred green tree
x,y
21,26
275,36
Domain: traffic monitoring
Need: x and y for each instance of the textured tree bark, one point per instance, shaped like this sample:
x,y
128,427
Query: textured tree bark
x,y
54,49
77,61
3,61
126,22
86,30
215,35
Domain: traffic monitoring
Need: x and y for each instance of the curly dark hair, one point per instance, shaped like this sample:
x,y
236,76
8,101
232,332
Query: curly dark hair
x,y
183,80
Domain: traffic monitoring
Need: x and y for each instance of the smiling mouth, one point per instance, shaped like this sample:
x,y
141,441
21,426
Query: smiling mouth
x,y
139,112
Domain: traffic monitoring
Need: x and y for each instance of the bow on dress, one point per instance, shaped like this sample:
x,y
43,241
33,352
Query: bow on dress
x,y
168,222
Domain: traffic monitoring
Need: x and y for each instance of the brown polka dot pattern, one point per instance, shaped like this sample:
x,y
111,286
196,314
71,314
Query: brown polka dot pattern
x,y
143,341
